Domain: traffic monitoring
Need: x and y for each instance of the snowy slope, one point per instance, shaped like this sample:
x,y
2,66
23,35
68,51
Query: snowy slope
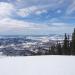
x,y
38,65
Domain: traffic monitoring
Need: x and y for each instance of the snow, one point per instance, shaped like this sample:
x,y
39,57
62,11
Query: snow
x,y
37,65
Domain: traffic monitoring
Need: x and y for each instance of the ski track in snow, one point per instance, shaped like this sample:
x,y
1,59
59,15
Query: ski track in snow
x,y
37,65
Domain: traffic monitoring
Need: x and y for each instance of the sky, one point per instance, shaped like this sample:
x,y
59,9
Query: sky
x,y
36,17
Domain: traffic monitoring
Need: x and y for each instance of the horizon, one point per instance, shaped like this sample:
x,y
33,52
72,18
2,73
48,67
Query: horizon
x,y
29,17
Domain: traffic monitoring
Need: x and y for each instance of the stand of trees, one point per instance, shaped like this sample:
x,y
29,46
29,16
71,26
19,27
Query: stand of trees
x,y
66,48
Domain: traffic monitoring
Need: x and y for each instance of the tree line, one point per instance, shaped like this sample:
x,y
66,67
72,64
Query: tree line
x,y
65,48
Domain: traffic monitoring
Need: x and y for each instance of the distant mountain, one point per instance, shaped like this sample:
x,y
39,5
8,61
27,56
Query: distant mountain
x,y
37,37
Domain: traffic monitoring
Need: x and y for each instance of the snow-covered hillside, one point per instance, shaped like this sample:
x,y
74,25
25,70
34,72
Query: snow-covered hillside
x,y
37,65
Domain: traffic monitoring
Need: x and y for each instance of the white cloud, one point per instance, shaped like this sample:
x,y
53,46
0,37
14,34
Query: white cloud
x,y
39,9
29,10
26,11
59,24
39,2
71,8
40,12
19,27
53,20
11,25
5,9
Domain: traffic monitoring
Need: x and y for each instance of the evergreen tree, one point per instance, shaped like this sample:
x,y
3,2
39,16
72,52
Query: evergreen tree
x,y
68,45
53,50
49,52
65,45
59,49
73,42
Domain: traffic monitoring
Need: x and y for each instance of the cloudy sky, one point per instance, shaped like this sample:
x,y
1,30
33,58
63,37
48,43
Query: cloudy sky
x,y
27,17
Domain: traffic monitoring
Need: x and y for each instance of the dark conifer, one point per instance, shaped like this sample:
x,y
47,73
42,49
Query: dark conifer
x,y
59,49
73,42
65,45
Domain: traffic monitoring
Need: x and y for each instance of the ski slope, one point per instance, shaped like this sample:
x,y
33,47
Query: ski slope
x,y
37,65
